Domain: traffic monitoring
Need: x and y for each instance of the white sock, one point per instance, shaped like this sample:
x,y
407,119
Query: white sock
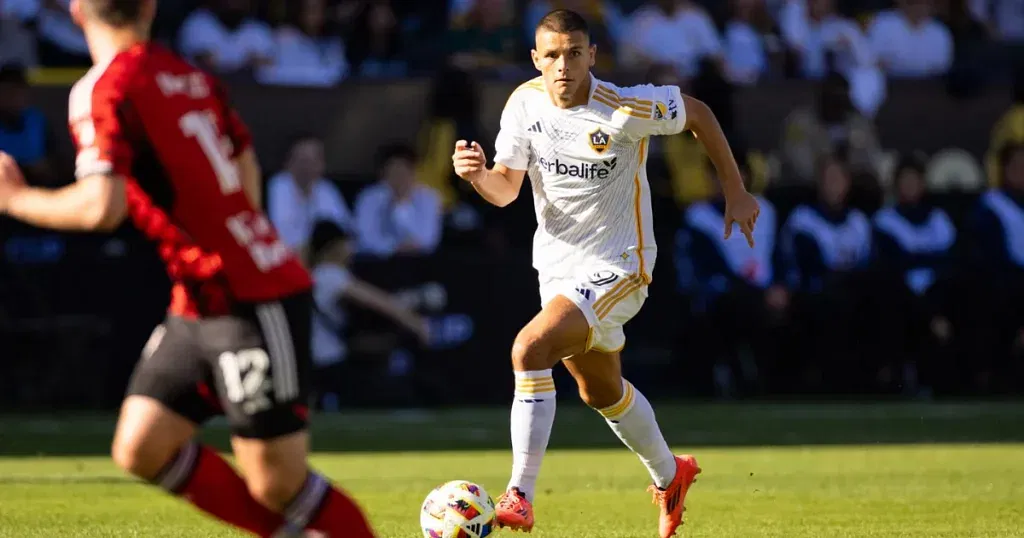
x,y
632,419
533,415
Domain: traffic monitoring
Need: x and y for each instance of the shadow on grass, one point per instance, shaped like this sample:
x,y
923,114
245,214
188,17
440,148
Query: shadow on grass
x,y
580,428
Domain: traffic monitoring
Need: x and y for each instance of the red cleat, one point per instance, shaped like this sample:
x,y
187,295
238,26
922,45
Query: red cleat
x,y
671,499
514,512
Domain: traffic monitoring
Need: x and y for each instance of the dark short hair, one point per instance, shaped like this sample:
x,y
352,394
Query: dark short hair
x,y
391,152
564,21
115,12
325,233
14,74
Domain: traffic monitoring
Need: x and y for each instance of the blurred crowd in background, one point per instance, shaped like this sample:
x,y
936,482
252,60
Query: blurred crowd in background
x,y
871,272
322,42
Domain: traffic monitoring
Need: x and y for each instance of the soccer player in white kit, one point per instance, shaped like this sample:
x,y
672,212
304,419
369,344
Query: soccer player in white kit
x,y
584,143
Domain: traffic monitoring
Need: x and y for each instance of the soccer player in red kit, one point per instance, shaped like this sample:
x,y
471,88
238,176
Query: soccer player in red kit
x,y
159,145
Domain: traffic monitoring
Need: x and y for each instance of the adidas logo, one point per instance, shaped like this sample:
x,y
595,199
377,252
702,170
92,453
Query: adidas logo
x,y
535,128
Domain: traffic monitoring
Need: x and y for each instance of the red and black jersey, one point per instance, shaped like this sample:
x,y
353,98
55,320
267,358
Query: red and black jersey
x,y
167,129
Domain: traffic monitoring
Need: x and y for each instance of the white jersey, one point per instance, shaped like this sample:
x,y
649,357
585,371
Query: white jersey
x,y
587,166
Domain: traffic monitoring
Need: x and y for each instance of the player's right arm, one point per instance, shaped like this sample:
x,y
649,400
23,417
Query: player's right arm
x,y
98,200
499,185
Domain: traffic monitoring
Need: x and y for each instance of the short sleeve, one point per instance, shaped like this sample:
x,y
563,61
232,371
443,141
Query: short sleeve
x,y
97,124
660,110
512,147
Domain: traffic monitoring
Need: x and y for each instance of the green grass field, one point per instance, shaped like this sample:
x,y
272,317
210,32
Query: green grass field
x,y
830,470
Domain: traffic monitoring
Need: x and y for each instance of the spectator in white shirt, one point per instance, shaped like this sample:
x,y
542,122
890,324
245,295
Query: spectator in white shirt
x,y
816,32
307,52
398,214
910,43
334,289
330,251
226,38
300,195
671,32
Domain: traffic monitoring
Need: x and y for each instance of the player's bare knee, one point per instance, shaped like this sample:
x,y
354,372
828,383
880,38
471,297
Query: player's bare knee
x,y
140,456
530,352
148,437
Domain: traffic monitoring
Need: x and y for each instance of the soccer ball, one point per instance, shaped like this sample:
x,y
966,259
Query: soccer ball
x,y
457,509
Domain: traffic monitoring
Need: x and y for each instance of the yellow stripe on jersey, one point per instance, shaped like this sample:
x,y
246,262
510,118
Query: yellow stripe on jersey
x,y
532,84
613,95
607,307
637,209
606,102
628,106
625,282
640,105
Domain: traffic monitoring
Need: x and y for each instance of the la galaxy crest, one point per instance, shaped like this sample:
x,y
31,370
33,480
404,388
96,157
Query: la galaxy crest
x,y
600,140
661,111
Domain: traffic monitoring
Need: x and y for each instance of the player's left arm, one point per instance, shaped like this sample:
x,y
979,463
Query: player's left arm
x,y
665,110
97,202
701,120
740,206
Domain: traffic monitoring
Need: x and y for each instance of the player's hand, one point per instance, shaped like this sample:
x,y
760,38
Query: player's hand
x,y
11,180
469,160
741,208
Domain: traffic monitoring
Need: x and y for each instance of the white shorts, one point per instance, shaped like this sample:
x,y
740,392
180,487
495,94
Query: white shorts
x,y
607,298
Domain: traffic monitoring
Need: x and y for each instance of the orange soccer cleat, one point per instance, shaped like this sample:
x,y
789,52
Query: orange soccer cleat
x,y
671,499
514,512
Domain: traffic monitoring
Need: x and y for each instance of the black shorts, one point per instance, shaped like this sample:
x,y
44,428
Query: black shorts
x,y
252,366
